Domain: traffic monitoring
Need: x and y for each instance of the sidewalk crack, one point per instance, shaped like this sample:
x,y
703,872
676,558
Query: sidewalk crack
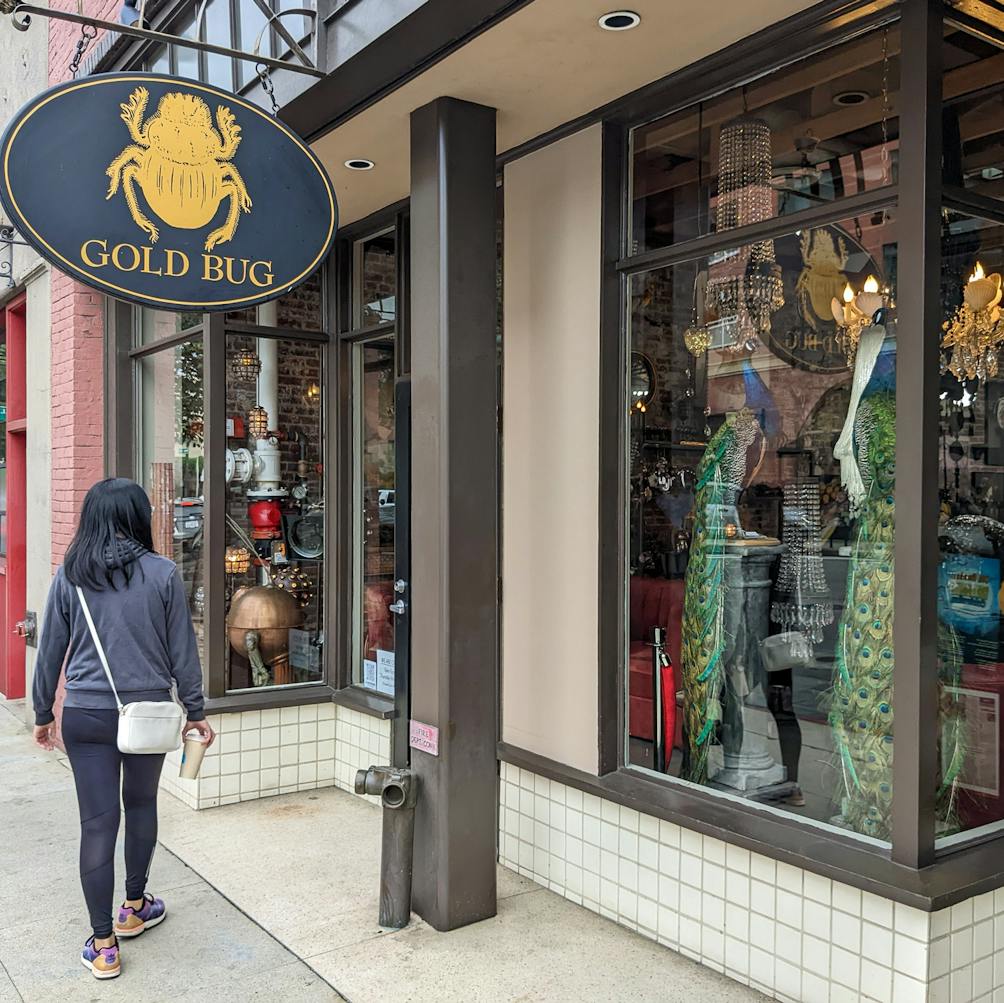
x,y
13,986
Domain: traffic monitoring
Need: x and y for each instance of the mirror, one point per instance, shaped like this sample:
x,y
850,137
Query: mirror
x,y
642,381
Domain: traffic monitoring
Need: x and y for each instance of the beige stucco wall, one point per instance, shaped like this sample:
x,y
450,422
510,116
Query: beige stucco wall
x,y
38,448
25,58
550,450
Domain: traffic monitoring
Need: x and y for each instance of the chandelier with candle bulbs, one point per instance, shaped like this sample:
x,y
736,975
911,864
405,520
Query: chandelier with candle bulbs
x,y
976,332
854,314
748,285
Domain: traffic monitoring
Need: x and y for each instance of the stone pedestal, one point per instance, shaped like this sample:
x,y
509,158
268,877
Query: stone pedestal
x,y
746,765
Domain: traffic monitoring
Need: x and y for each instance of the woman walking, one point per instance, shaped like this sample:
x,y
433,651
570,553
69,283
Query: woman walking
x,y
141,619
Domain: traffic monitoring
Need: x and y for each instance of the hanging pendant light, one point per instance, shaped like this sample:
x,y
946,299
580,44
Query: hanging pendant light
x,y
747,286
257,422
237,560
245,365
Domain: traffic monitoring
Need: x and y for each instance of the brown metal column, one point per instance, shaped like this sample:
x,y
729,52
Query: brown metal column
x,y
918,332
454,590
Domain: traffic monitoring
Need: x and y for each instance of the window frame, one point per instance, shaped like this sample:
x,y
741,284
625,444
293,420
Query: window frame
x,y
140,54
122,387
912,870
343,267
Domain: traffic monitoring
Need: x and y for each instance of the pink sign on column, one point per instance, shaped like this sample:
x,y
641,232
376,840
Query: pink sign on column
x,y
424,737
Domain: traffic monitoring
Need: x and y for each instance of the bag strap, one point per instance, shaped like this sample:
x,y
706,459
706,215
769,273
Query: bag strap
x,y
97,644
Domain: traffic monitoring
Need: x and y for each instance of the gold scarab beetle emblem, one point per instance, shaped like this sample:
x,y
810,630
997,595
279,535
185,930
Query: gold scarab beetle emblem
x,y
181,164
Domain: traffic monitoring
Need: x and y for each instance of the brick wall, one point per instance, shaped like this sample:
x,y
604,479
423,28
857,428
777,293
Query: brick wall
x,y
77,344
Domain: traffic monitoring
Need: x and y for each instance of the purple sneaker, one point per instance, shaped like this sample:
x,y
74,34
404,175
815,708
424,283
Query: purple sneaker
x,y
104,962
132,922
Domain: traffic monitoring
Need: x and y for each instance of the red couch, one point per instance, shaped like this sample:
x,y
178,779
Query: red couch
x,y
655,602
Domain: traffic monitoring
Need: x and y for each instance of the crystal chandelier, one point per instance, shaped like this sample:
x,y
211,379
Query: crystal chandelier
x,y
245,365
748,285
976,332
803,600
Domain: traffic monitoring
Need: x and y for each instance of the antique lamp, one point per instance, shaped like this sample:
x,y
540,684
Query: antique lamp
x,y
976,332
296,582
245,365
257,422
854,314
236,561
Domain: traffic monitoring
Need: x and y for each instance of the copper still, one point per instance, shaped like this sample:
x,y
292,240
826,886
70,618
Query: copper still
x,y
258,626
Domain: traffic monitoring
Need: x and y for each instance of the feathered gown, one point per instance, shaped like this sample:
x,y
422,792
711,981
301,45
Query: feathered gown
x,y
721,474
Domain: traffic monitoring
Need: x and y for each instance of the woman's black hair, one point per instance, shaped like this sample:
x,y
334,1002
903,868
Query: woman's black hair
x,y
114,526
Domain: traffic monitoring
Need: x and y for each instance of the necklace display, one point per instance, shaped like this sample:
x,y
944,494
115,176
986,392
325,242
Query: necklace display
x,y
804,604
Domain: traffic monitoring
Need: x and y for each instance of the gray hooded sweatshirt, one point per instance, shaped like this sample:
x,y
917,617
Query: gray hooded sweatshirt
x,y
145,629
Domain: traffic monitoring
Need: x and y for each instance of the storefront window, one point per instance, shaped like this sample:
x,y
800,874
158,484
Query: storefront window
x,y
375,513
971,530
252,21
376,281
761,525
811,133
171,460
974,115
216,28
187,59
158,324
274,563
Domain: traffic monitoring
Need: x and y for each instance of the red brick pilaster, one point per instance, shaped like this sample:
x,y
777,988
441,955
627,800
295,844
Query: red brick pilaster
x,y
77,344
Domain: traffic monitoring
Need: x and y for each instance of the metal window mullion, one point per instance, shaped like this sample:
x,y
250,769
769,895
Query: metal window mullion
x,y
971,203
915,628
170,341
214,388
777,226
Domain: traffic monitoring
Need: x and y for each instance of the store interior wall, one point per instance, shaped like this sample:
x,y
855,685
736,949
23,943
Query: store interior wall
x,y
38,465
551,450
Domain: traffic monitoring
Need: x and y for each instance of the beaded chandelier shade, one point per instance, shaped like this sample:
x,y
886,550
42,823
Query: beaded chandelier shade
x,y
803,599
748,285
257,422
237,560
245,365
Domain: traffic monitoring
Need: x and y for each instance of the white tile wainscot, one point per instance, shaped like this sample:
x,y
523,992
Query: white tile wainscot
x,y
262,753
787,932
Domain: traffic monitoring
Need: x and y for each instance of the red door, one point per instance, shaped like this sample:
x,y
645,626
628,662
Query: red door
x,y
13,502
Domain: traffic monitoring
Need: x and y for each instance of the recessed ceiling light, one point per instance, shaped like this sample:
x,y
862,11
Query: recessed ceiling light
x,y
846,99
359,164
619,20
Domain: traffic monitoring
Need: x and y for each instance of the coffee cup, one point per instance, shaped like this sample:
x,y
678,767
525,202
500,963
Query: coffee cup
x,y
191,755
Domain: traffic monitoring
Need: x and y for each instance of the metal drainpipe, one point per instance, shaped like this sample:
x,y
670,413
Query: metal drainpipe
x,y
398,791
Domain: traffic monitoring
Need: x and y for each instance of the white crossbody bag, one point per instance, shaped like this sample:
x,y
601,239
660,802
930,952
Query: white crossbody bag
x,y
146,726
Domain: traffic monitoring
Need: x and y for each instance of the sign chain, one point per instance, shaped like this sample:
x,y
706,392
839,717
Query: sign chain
x,y
87,35
266,85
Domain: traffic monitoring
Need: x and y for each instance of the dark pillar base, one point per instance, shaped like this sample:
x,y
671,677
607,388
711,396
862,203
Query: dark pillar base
x,y
454,533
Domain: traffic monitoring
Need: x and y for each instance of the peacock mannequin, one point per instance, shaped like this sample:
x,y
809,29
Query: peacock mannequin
x,y
861,707
734,451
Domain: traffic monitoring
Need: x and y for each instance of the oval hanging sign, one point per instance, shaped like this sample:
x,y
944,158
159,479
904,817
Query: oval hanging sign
x,y
166,192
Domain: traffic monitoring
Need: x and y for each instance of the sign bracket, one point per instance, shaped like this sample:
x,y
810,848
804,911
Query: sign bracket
x,y
8,238
22,13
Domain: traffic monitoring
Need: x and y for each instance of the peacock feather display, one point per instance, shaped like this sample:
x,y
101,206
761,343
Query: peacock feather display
x,y
861,716
720,475
861,706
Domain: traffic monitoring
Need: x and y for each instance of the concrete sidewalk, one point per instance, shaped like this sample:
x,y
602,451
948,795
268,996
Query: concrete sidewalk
x,y
206,950
305,868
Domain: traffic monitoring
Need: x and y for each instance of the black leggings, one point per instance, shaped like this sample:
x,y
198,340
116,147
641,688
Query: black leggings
x,y
99,769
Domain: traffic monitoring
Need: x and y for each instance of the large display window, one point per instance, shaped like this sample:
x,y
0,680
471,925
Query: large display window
x,y
226,423
275,546
770,390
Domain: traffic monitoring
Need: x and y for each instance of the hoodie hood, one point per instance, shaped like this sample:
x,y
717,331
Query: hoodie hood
x,y
124,552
